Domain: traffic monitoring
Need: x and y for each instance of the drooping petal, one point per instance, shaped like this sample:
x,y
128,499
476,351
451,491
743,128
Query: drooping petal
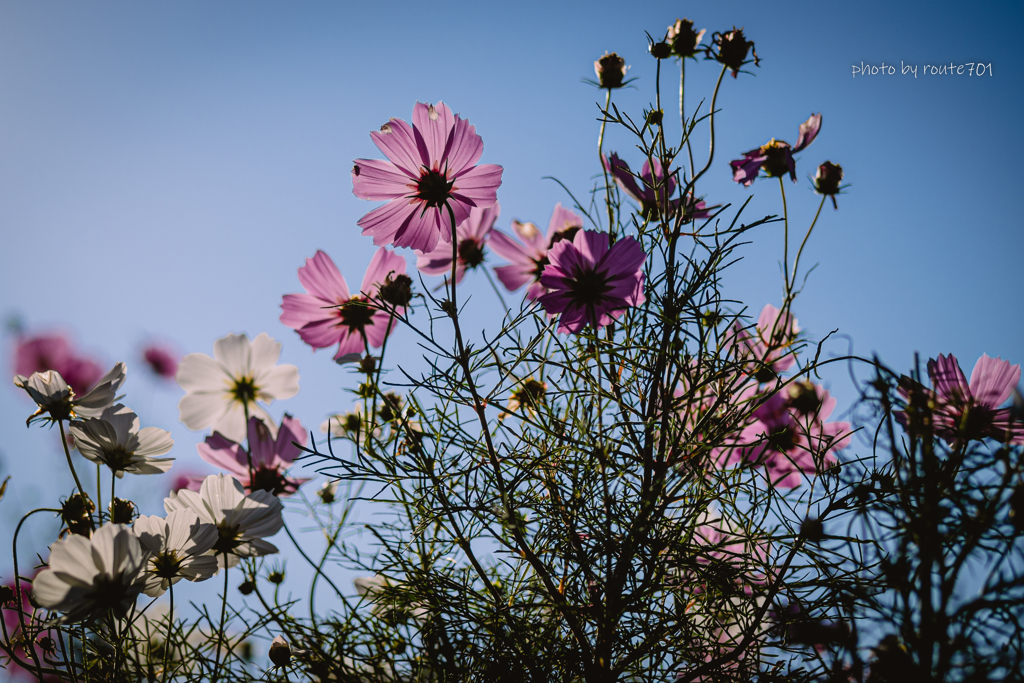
x,y
808,131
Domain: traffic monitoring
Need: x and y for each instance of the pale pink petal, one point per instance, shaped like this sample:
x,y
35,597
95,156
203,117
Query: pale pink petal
x,y
383,263
993,380
948,379
235,353
322,278
299,310
479,184
432,125
398,143
323,333
384,222
378,180
466,146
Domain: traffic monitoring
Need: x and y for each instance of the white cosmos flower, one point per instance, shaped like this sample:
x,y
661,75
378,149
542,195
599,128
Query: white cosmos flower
x,y
242,521
115,440
56,399
241,374
89,576
177,549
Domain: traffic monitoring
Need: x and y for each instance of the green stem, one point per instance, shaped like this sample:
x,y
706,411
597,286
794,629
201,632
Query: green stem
x,y
604,169
785,228
170,623
796,263
67,452
220,630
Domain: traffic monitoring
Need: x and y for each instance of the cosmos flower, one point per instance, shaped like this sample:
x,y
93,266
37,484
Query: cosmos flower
x,y
431,164
328,314
178,547
611,71
683,38
87,577
591,281
271,456
965,410
776,157
656,189
57,401
770,349
161,360
54,352
529,256
472,237
115,440
240,376
242,521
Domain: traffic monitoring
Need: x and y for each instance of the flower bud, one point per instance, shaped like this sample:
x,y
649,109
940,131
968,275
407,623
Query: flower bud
x,y
654,117
827,180
328,493
76,513
368,365
682,39
280,652
733,48
812,530
610,70
6,595
122,511
661,50
276,577
397,290
246,587
804,398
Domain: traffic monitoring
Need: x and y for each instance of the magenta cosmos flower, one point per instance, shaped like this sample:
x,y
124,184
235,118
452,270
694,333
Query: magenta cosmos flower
x,y
271,456
471,238
591,281
54,352
656,189
431,164
770,347
161,360
530,255
775,157
971,410
328,314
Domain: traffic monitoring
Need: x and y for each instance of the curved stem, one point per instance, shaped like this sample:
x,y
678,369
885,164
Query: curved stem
x,y
67,452
796,263
18,595
311,563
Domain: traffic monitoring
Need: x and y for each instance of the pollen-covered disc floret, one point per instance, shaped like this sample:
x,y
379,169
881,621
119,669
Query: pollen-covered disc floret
x,y
240,376
115,440
431,165
591,281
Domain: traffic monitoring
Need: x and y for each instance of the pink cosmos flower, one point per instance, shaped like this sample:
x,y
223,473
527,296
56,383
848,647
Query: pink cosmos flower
x,y
161,360
790,435
271,456
775,157
54,352
771,347
656,190
431,164
529,256
472,237
971,410
591,281
188,481
328,314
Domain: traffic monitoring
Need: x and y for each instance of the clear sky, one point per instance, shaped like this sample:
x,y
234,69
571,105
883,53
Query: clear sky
x,y
166,167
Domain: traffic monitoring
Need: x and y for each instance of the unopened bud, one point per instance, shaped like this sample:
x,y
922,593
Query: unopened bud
x,y
122,511
661,50
246,587
683,39
611,71
280,652
812,530
76,513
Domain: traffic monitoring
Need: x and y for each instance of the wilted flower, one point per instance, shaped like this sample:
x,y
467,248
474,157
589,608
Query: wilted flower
x,y
121,510
397,290
54,352
683,38
328,314
471,238
971,410
115,440
827,180
178,547
431,164
76,514
161,360
57,400
732,49
270,455
775,157
87,577
529,256
611,71
242,521
591,282
654,196
240,376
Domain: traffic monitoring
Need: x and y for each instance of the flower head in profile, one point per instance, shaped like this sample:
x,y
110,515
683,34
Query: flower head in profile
x,y
654,195
115,440
431,169
161,360
970,410
826,181
54,352
271,455
529,254
731,49
471,238
178,547
240,376
242,521
611,71
57,401
328,314
770,347
591,281
775,157
683,38
87,577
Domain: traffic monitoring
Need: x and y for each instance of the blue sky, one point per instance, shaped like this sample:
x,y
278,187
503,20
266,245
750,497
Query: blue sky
x,y
166,168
